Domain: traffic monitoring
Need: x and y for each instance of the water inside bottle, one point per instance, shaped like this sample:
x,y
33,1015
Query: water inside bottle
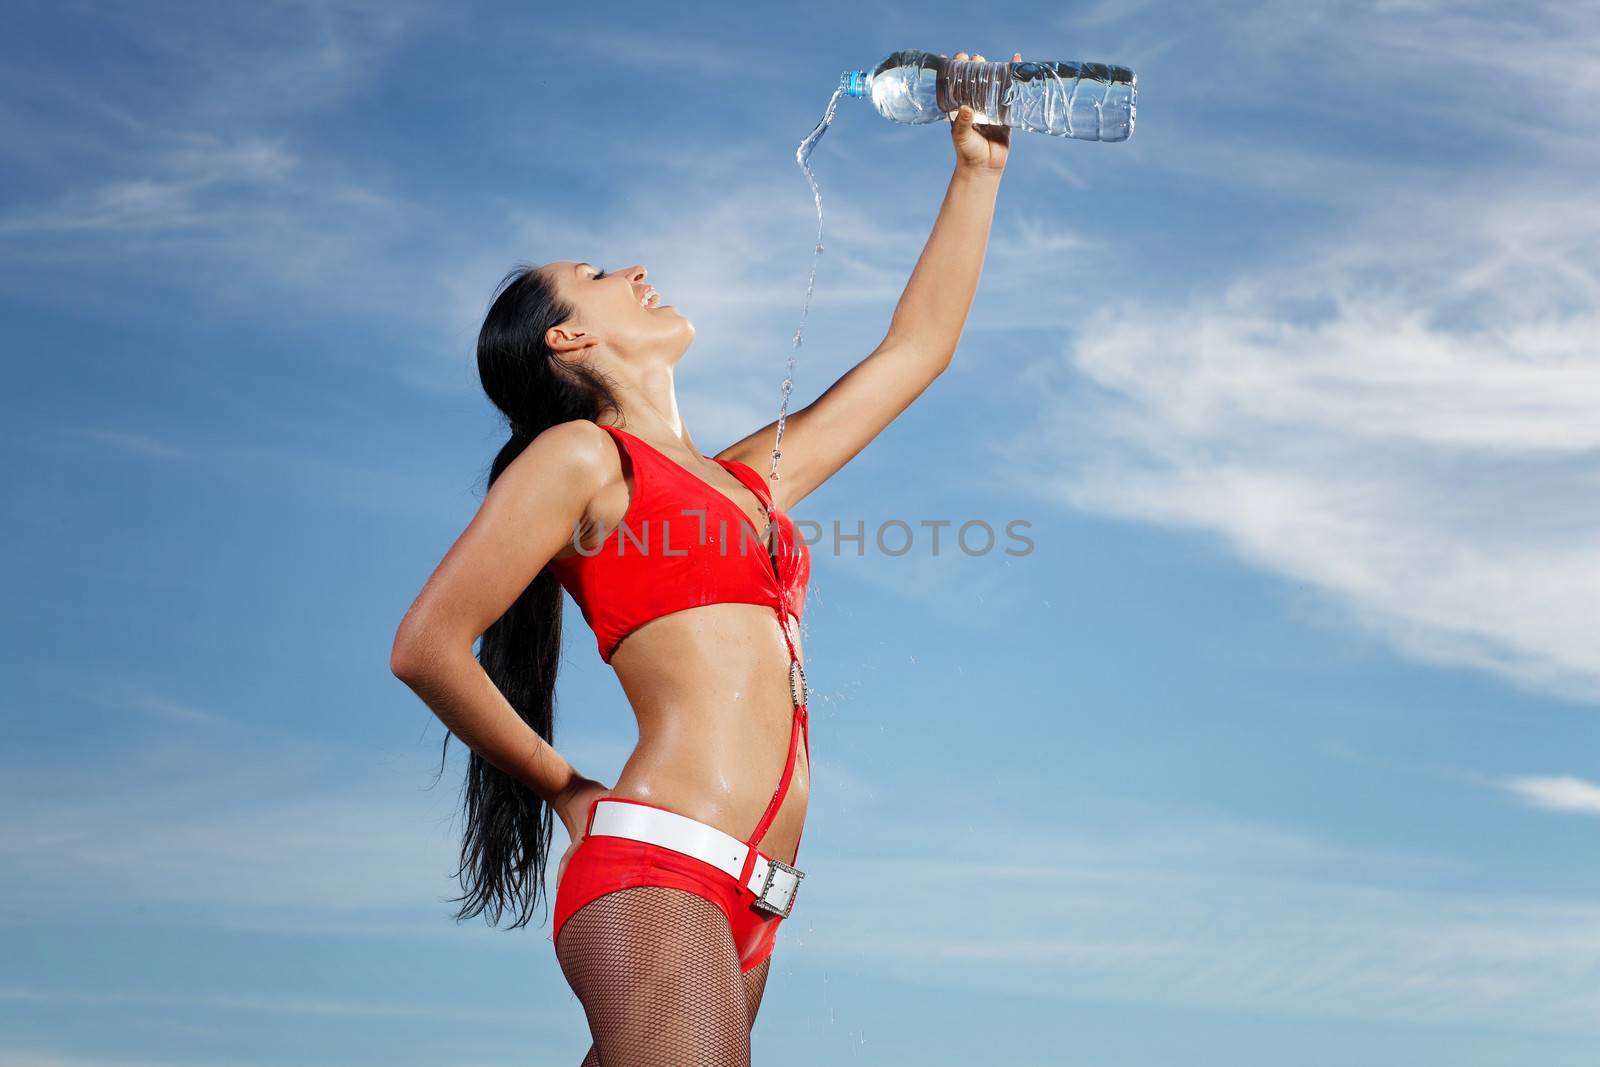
x,y
802,156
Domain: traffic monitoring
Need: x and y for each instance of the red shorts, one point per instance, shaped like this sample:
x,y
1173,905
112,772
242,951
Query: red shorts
x,y
602,865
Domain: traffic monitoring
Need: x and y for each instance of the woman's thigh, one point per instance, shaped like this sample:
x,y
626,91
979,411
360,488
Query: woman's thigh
x,y
755,985
658,975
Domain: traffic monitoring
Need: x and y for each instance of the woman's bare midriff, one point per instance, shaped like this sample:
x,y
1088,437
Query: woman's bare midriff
x,y
710,689
709,686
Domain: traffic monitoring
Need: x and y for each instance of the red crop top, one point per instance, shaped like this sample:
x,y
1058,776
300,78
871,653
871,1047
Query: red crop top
x,y
682,543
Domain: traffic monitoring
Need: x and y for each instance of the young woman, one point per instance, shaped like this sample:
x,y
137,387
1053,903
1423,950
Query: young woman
x,y
687,567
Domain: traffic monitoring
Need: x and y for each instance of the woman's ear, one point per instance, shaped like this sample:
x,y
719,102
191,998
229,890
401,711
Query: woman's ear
x,y
567,341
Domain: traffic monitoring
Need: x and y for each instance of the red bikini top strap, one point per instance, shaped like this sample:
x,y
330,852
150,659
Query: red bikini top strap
x,y
755,483
625,439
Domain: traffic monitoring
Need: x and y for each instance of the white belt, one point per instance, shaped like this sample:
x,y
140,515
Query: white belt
x,y
773,882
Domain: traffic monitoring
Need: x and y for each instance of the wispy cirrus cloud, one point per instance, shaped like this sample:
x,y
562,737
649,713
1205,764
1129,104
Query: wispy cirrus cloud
x,y
192,185
1209,913
235,1002
202,179
1561,793
130,442
1401,410
1406,419
17,1057
209,821
238,831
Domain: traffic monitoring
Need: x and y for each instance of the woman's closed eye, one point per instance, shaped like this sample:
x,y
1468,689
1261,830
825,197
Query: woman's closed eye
x,y
598,274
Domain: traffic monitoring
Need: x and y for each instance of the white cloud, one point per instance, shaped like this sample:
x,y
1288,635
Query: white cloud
x,y
1402,411
1407,418
1402,414
734,258
24,1058
236,1002
135,443
1564,793
176,200
234,829
1202,914
198,179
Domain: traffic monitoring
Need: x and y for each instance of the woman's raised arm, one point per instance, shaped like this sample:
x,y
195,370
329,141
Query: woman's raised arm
x,y
923,333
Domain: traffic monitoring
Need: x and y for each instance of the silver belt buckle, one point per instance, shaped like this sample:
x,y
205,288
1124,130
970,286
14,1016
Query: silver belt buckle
x,y
762,902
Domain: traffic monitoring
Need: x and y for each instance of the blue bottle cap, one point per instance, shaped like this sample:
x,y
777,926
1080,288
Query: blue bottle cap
x,y
854,82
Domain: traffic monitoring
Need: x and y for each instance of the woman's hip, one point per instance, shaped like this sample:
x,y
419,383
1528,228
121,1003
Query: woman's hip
x,y
631,843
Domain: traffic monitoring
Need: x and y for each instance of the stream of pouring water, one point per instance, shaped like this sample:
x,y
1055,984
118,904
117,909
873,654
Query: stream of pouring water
x,y
802,156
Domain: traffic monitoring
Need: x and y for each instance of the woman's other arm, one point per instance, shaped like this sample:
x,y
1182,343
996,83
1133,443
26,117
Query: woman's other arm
x,y
526,517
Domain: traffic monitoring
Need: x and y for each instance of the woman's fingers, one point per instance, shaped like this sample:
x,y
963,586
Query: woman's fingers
x,y
1016,57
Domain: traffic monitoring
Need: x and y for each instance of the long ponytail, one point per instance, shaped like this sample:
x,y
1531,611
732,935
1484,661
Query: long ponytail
x,y
506,840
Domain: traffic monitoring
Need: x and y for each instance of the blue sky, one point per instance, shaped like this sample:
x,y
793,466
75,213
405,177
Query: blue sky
x,y
1280,746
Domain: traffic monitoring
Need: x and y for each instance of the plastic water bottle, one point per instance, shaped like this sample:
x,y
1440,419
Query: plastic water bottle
x,y
1089,101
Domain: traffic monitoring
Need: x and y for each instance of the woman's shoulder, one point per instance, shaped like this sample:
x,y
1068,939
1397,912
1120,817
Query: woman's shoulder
x,y
577,447
577,464
574,431
571,461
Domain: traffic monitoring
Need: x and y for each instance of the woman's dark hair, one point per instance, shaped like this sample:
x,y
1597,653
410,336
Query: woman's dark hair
x,y
506,842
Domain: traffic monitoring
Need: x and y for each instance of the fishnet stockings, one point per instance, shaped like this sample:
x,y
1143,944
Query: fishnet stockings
x,y
658,975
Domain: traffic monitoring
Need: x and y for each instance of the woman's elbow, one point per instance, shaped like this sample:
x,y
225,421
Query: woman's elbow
x,y
403,662
409,655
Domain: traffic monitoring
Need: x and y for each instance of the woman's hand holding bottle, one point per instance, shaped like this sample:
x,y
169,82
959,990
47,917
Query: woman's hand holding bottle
x,y
980,147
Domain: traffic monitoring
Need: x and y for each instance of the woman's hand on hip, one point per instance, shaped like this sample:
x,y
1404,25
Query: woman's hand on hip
x,y
572,808
980,146
572,805
566,857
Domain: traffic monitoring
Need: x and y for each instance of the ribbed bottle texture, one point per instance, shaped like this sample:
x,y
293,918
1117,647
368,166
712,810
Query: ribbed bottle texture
x,y
1087,101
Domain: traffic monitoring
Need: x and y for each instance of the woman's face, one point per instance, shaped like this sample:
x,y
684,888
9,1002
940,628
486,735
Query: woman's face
x,y
617,308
